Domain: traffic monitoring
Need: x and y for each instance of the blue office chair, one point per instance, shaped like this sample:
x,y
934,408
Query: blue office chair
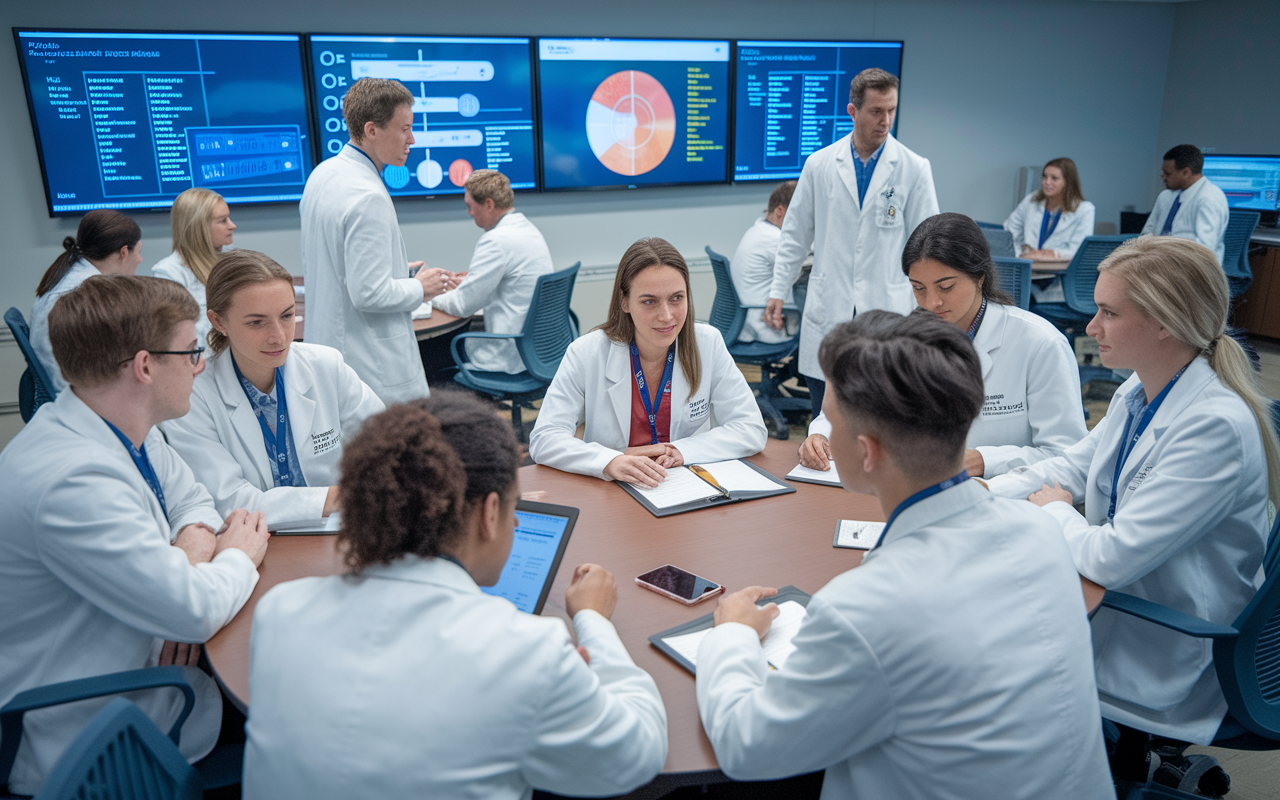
x,y
548,331
991,226
999,240
1015,278
1235,256
35,388
121,755
776,361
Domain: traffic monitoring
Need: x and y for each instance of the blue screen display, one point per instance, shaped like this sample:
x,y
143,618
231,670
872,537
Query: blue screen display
x,y
791,100
1250,182
533,551
472,109
131,120
630,112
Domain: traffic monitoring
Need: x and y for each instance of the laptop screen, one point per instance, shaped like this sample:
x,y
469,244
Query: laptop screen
x,y
542,533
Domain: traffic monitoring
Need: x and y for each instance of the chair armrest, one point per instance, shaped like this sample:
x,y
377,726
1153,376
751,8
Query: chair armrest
x,y
455,347
1163,615
82,689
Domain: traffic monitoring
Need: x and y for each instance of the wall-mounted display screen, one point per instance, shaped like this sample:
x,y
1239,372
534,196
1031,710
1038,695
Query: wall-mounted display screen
x,y
472,108
1251,182
633,112
131,120
791,99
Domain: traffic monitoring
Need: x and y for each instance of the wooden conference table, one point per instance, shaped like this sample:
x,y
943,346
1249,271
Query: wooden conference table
x,y
774,541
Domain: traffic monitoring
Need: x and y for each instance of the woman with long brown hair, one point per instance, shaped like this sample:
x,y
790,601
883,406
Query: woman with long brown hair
x,y
1051,222
647,383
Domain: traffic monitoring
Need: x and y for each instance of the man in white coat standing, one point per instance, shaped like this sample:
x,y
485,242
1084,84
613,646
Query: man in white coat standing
x,y
856,203
360,294
504,270
108,554
1190,207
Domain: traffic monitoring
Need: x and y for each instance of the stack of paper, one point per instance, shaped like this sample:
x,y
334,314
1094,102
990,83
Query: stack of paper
x,y
857,534
776,643
423,311
802,473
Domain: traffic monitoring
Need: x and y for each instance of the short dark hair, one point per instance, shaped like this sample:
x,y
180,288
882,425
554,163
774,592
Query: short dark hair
x,y
781,196
915,381
871,78
957,241
1186,155
412,474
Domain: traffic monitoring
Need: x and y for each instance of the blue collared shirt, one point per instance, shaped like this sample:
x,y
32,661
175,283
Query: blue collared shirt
x,y
864,173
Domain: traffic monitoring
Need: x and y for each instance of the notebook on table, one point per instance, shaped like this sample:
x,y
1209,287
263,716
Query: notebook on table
x,y
692,487
802,474
681,642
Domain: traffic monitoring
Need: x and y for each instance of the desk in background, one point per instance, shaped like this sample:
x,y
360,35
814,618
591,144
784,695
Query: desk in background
x,y
1258,309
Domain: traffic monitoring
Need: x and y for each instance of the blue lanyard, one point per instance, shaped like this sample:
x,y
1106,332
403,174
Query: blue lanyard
x,y
1127,443
977,320
917,497
650,408
277,443
143,464
1047,226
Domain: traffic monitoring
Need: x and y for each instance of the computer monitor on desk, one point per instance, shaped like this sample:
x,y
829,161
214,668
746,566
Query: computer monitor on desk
x,y
1249,182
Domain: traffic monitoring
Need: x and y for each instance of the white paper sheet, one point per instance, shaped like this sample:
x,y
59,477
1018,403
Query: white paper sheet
x,y
858,534
679,487
423,311
329,524
776,643
829,477
736,476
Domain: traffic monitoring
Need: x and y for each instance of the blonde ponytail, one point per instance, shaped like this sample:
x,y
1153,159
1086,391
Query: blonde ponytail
x,y
1231,363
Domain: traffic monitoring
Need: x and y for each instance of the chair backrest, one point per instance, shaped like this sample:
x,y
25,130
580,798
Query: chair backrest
x,y
36,387
994,226
121,755
727,312
1235,243
548,328
1082,273
1015,278
1000,241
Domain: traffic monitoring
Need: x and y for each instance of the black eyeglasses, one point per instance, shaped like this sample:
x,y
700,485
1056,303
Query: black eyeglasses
x,y
194,355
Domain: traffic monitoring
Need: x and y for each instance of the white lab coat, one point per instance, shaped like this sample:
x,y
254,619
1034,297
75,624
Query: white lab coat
x,y
857,256
173,268
222,441
408,682
360,298
1189,533
1024,224
1032,408
39,322
1202,216
752,273
89,584
953,663
594,385
505,268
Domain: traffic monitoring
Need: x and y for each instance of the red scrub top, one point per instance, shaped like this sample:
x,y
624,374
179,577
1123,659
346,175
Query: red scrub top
x,y
640,434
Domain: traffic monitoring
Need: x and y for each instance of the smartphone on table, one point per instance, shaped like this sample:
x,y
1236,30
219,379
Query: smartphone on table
x,y
680,585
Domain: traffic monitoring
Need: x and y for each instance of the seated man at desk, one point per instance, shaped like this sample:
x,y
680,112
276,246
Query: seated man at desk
x,y
752,270
1190,207
956,658
107,544
504,270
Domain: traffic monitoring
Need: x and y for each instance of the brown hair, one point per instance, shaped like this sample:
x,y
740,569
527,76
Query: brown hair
x,y
102,233
781,196
915,381
956,241
233,272
190,217
373,100
870,78
645,253
106,320
489,184
414,472
1072,195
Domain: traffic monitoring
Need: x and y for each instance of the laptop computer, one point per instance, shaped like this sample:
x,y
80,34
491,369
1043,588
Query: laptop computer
x,y
542,534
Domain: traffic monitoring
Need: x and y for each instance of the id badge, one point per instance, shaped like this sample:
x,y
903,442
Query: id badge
x,y
889,215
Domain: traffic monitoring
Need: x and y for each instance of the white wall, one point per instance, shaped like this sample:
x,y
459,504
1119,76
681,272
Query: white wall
x,y
970,103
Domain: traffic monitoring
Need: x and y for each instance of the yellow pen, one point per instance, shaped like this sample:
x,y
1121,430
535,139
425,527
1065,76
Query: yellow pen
x,y
709,478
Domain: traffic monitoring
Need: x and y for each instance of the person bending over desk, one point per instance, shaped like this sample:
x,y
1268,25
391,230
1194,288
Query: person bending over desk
x,y
106,243
402,680
107,544
202,226
1031,409
956,658
1051,222
269,416
638,382
1175,492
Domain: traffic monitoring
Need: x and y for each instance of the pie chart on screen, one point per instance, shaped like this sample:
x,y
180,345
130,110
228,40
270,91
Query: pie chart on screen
x,y
631,122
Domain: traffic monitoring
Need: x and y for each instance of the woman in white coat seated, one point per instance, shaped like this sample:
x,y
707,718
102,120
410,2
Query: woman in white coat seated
x,y
1032,410
647,383
202,226
1051,222
106,243
269,415
402,679
1173,481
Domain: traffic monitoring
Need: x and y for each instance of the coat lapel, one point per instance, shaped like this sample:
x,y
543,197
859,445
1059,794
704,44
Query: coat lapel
x,y
885,169
302,408
244,423
844,166
617,373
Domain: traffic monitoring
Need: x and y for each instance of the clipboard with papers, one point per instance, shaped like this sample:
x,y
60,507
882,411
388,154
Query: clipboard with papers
x,y
681,642
697,486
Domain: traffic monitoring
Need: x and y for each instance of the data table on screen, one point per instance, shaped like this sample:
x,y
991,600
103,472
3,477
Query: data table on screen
x,y
131,120
791,100
472,106
533,553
